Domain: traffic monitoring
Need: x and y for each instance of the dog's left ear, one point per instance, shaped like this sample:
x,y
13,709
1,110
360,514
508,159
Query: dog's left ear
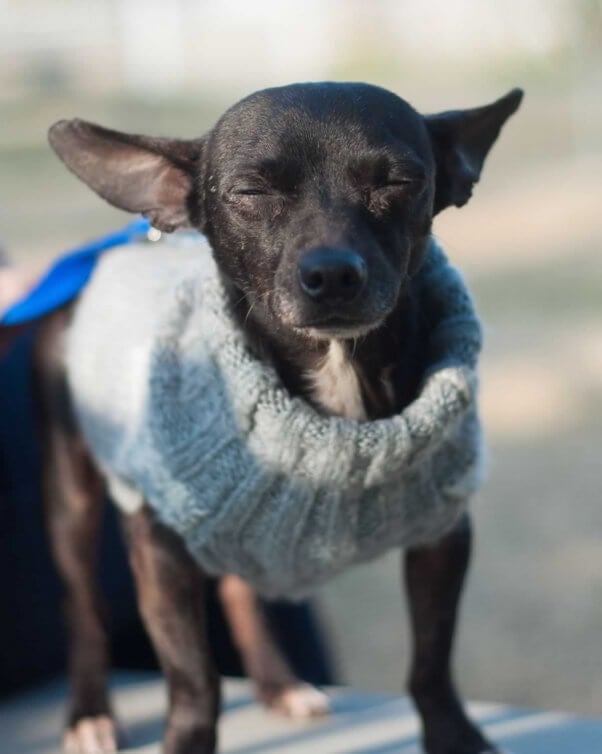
x,y
461,141
155,177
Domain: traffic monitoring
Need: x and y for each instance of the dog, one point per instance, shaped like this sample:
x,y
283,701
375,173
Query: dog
x,y
317,200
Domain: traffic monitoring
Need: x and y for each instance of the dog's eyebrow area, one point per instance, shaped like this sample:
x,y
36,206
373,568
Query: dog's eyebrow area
x,y
382,169
281,174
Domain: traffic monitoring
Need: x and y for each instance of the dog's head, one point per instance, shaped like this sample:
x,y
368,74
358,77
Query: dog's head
x,y
317,198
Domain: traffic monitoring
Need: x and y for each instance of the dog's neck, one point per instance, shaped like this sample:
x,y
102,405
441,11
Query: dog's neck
x,y
367,378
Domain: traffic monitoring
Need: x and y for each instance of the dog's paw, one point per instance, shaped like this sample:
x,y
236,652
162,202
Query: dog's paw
x,y
298,701
91,735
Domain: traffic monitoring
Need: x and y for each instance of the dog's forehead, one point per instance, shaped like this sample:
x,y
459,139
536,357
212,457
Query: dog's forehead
x,y
340,116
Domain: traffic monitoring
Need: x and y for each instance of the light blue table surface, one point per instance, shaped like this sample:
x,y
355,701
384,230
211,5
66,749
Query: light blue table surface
x,y
360,723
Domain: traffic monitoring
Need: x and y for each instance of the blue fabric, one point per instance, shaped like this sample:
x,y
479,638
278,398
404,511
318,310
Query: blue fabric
x,y
68,275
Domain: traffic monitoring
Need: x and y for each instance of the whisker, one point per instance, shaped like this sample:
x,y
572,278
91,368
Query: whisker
x,y
249,312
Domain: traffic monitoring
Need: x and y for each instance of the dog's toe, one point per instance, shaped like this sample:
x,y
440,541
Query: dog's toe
x,y
91,735
299,701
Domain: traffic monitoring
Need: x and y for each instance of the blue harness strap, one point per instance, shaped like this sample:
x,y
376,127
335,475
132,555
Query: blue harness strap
x,y
69,274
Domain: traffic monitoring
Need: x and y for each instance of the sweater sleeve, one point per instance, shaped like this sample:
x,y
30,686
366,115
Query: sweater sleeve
x,y
455,334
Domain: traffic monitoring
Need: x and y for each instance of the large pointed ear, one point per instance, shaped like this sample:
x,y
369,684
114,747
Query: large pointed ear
x,y
152,176
461,140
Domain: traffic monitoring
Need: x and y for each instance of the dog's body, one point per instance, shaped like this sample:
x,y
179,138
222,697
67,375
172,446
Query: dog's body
x,y
317,201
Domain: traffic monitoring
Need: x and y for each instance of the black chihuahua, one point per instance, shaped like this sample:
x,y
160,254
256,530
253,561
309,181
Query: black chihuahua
x,y
317,200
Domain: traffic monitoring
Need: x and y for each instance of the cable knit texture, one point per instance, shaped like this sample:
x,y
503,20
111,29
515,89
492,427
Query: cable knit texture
x,y
178,412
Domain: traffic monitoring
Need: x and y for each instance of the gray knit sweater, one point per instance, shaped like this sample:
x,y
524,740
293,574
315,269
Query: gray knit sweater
x,y
178,412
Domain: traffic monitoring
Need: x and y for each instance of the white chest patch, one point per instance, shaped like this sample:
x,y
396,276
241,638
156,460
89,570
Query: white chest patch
x,y
335,384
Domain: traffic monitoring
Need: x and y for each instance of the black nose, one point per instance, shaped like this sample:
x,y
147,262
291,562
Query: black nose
x,y
332,274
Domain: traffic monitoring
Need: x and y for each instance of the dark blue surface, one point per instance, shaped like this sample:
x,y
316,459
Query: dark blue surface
x,y
68,275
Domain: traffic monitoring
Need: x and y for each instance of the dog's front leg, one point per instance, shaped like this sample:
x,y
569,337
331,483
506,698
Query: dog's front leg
x,y
170,595
434,578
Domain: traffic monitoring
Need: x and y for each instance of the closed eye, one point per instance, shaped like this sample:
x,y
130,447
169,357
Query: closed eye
x,y
400,183
250,191
256,202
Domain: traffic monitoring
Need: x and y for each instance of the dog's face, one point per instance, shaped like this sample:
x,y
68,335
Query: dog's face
x,y
317,198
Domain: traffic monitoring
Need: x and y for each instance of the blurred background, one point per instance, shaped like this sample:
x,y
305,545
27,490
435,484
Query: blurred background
x,y
529,244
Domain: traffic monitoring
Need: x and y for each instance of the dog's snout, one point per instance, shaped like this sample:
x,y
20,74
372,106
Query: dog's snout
x,y
327,274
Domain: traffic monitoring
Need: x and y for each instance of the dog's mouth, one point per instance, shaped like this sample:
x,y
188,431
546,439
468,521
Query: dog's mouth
x,y
337,326
343,322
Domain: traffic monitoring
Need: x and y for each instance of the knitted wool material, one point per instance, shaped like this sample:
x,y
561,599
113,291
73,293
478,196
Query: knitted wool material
x,y
179,413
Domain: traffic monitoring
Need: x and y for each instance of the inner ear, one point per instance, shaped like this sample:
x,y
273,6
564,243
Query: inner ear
x,y
155,177
461,140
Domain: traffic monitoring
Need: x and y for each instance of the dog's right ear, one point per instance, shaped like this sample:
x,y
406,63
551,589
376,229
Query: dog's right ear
x,y
461,141
155,177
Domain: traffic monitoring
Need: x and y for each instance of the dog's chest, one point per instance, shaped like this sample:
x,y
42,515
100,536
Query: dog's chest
x,y
340,387
335,385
